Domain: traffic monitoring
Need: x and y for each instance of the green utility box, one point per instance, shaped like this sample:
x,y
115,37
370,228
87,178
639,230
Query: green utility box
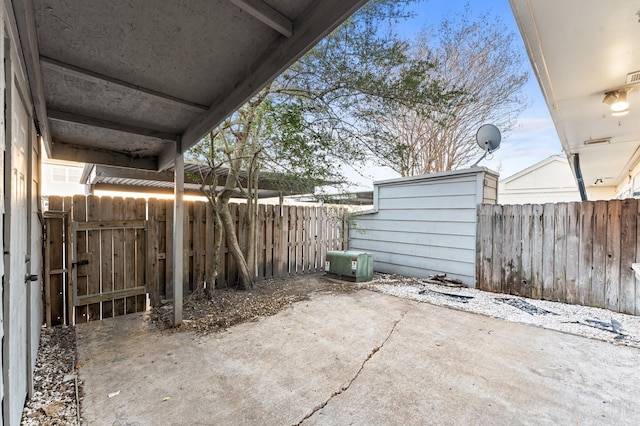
x,y
354,266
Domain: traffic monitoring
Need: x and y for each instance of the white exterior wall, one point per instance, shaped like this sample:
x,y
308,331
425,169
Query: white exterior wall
x,y
552,181
20,311
595,193
2,210
424,225
61,178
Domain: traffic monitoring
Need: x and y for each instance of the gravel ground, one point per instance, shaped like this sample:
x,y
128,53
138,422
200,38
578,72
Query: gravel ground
x,y
55,381
589,322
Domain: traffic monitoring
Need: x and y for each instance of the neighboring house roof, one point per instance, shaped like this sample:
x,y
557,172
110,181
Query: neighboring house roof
x,y
549,180
552,161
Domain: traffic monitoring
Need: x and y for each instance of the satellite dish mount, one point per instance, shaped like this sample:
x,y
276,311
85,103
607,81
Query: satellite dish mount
x,y
488,138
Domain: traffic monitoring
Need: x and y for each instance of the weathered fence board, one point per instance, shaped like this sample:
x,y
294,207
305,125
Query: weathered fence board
x,y
577,253
628,255
536,251
599,254
119,256
637,281
106,246
548,242
585,261
573,252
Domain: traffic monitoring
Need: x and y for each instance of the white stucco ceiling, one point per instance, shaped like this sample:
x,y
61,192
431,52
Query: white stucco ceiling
x,y
579,49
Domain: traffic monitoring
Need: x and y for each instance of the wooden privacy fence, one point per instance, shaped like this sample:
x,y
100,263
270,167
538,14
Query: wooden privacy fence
x,y
289,240
103,255
577,253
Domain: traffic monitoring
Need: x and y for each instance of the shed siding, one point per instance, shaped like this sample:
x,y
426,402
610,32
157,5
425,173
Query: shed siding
x,y
427,225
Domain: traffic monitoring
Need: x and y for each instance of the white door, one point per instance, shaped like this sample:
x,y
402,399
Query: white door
x,y
15,287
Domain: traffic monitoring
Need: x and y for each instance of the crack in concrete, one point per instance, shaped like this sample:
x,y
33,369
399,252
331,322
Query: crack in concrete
x,y
346,386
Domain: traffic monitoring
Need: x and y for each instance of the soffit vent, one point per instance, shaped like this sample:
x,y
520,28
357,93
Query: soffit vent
x,y
633,77
597,141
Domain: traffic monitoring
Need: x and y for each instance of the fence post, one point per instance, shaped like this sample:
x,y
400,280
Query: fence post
x,y
284,242
152,252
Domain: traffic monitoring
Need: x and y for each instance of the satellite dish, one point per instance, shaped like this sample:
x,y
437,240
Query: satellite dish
x,y
488,138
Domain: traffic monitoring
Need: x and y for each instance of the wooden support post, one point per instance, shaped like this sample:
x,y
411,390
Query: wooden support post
x,y
178,235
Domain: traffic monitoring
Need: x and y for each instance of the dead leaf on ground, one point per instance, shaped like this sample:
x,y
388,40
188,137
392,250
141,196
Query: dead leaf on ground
x,y
52,409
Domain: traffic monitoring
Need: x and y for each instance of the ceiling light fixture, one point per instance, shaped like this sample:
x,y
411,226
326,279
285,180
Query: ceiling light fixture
x,y
621,103
617,100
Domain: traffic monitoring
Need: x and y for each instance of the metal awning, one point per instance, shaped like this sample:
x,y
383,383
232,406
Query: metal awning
x,y
112,178
130,83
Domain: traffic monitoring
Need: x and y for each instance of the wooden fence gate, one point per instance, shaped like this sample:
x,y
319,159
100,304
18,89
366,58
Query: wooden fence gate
x,y
95,256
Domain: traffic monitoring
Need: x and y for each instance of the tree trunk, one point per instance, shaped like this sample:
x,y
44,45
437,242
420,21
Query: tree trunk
x,y
245,279
217,246
250,238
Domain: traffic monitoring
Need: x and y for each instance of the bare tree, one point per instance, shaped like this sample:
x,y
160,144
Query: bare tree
x,y
306,121
479,61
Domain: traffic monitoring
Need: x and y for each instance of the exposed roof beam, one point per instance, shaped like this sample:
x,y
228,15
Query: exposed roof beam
x,y
85,74
319,19
84,154
267,15
105,124
26,23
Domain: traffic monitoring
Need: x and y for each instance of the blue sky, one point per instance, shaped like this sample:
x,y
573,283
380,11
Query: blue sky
x,y
533,138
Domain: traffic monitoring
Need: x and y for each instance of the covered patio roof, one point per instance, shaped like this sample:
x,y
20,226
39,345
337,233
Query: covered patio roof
x,y
131,83
579,50
135,84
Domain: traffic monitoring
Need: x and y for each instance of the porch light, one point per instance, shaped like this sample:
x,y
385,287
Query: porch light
x,y
617,101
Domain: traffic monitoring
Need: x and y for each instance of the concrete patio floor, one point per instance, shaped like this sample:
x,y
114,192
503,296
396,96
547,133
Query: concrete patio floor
x,y
360,358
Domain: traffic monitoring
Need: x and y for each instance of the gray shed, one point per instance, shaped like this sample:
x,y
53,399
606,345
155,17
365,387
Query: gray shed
x,y
426,225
